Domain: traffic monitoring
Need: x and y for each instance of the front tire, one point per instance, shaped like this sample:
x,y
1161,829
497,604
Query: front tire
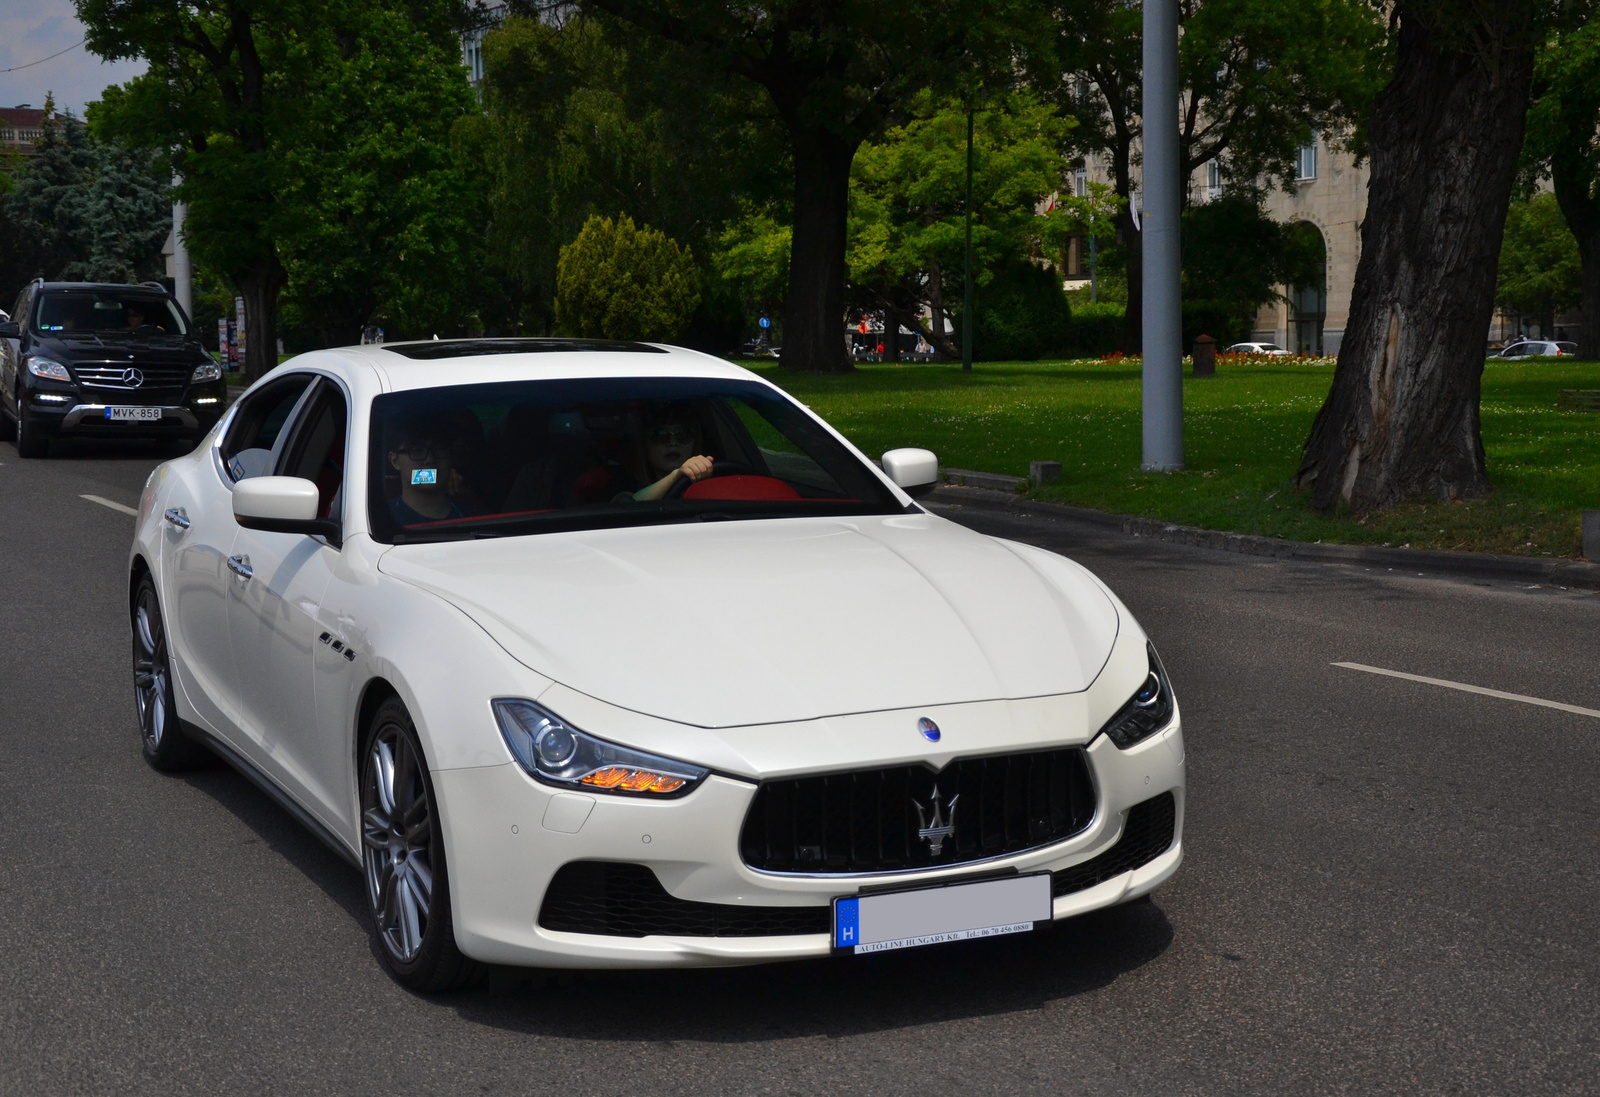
x,y
166,746
30,441
403,858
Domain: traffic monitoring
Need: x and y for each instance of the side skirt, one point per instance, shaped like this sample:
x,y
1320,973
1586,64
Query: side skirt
x,y
248,770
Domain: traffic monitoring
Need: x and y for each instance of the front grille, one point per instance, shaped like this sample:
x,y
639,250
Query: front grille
x,y
1146,836
617,900
868,821
163,383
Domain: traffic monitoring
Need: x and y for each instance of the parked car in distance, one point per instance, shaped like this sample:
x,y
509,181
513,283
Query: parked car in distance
x,y
1539,348
105,360
1256,348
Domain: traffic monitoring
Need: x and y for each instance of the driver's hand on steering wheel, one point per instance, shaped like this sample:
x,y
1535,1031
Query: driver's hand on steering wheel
x,y
695,468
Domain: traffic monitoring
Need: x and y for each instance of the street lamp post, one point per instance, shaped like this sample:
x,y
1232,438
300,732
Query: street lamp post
x,y
967,318
1161,244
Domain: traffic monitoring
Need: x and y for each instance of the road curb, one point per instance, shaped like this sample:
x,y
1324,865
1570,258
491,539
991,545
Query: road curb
x,y
1563,572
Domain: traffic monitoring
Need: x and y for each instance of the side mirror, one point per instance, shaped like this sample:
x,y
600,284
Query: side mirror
x,y
914,471
282,504
9,329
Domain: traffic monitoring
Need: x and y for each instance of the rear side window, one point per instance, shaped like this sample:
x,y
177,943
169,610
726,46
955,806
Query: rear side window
x,y
251,447
316,452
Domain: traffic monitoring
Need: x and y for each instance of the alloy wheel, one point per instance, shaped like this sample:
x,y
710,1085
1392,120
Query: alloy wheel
x,y
150,670
397,837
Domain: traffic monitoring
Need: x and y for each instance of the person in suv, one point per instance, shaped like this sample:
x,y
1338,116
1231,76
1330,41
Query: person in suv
x,y
80,358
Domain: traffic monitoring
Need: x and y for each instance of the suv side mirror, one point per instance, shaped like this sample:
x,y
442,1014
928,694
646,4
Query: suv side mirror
x,y
914,471
10,329
282,504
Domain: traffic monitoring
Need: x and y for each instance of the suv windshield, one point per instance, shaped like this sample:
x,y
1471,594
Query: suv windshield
x,y
535,456
108,311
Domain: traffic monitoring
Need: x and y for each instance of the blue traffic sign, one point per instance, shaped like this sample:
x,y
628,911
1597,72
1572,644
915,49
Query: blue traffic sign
x,y
766,323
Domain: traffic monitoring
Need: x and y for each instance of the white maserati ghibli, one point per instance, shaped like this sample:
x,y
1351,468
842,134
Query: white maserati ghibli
x,y
614,655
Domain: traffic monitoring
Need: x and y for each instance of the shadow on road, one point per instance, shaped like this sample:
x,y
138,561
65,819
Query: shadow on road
x,y
830,997
284,835
834,997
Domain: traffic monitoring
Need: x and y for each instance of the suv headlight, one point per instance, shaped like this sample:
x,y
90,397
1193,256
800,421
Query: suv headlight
x,y
1149,709
556,753
50,371
206,371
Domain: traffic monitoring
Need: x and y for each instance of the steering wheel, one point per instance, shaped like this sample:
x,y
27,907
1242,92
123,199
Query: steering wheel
x,y
719,467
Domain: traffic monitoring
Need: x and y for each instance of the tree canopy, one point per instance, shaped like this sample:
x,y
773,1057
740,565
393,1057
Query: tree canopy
x,y
1257,79
311,136
836,75
84,209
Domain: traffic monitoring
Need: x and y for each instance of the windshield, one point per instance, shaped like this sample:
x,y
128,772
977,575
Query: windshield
x,y
108,312
538,456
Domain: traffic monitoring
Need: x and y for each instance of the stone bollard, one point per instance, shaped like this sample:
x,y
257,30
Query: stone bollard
x,y
1205,357
1591,535
1043,472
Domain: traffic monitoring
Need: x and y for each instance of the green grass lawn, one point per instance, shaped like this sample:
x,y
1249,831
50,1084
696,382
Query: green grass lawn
x,y
1243,433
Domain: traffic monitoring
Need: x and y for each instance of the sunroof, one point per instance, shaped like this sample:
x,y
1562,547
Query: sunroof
x,y
472,348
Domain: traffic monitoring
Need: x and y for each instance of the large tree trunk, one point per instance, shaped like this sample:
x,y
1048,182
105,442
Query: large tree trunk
x,y
813,317
1582,213
259,288
1402,417
1132,339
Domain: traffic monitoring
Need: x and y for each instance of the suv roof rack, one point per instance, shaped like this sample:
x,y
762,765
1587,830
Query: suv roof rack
x,y
154,285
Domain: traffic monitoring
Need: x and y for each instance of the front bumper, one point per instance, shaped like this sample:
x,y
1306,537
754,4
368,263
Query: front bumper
x,y
507,836
89,420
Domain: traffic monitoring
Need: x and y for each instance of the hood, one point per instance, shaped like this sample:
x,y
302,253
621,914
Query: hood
x,y
736,623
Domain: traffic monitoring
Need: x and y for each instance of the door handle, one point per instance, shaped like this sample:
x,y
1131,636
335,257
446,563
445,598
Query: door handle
x,y
177,517
240,566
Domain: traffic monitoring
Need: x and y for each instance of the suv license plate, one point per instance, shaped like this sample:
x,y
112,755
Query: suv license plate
x,y
932,916
133,415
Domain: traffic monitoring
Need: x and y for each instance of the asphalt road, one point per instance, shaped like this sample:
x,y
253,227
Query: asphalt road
x,y
1390,886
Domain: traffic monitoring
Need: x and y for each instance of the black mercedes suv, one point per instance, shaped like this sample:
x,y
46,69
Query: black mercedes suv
x,y
82,358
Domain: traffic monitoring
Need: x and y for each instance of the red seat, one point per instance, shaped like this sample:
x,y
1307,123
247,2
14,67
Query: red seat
x,y
756,488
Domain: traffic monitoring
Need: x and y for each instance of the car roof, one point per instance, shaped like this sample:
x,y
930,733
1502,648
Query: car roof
x,y
399,367
160,291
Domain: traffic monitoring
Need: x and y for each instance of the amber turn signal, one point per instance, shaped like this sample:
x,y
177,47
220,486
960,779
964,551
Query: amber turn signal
x,y
632,780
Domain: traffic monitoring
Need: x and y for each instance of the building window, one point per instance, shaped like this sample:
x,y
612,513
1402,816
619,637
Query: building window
x,y
1213,180
1080,182
1305,161
473,56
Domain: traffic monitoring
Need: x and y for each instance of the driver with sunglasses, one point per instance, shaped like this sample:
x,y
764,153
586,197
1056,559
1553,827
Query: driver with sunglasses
x,y
671,452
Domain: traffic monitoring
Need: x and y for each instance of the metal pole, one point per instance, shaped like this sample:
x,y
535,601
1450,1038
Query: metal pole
x,y
182,269
1163,303
967,318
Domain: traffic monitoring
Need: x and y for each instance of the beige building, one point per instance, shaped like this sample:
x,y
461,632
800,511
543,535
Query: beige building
x,y
1329,194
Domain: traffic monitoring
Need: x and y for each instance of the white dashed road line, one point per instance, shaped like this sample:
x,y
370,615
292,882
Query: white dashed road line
x,y
1463,687
109,503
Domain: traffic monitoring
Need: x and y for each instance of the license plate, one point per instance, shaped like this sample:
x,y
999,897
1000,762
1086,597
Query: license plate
x,y
932,916
133,415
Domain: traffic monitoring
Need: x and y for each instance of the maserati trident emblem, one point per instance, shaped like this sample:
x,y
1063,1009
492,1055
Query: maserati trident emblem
x,y
132,378
929,729
938,826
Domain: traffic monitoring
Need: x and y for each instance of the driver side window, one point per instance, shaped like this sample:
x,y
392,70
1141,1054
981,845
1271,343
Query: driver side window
x,y
256,436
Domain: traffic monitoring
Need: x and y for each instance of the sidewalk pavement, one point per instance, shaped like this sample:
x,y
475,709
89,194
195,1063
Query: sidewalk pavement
x,y
1564,573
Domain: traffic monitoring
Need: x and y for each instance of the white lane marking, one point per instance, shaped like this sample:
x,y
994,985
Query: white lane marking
x,y
108,503
1463,687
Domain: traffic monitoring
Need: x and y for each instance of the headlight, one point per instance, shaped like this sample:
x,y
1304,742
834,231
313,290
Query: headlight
x,y
1149,709
558,754
50,371
206,371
